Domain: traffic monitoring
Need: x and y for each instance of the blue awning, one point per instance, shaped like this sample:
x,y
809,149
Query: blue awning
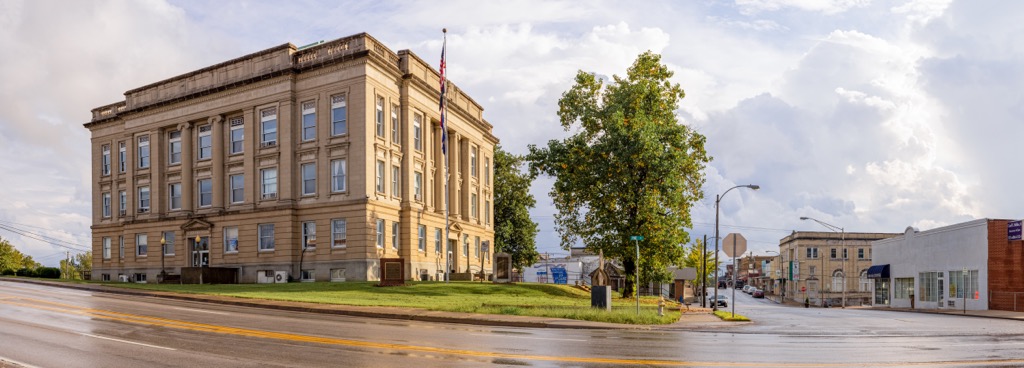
x,y
878,272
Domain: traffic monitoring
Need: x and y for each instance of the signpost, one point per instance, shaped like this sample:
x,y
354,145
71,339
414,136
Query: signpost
x,y
739,246
1013,230
636,240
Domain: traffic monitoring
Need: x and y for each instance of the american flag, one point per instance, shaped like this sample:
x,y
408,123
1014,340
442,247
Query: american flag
x,y
441,106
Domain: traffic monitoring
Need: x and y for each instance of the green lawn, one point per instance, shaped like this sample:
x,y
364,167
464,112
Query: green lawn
x,y
729,316
524,299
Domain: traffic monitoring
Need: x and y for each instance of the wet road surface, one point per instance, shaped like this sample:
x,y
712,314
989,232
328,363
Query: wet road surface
x,y
54,327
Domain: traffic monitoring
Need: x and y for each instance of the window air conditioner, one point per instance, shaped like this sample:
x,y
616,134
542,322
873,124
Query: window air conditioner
x,y
122,278
270,196
143,210
281,277
419,197
268,144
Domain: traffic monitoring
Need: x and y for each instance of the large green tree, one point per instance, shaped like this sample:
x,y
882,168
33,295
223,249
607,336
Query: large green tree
x,y
693,258
630,168
12,260
514,232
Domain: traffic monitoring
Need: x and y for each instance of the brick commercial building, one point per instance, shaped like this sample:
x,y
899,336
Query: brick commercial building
x,y
969,265
313,163
818,266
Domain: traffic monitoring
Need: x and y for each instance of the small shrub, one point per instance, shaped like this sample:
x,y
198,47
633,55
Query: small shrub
x,y
26,272
8,272
48,272
726,316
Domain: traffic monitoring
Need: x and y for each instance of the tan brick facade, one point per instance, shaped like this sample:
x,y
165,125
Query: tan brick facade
x,y
1005,268
302,114
820,275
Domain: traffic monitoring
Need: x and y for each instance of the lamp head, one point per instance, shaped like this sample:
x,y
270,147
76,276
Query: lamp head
x,y
754,186
804,218
198,239
163,240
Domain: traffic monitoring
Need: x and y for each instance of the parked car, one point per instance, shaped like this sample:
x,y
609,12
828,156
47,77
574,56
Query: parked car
x,y
722,301
746,288
758,293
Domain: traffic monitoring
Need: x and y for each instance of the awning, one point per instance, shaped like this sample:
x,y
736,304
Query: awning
x,y
878,272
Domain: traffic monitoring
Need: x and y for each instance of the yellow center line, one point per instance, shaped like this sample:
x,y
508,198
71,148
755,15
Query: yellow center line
x,y
202,327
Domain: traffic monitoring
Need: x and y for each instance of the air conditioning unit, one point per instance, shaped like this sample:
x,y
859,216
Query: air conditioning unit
x,y
280,277
265,277
270,196
268,144
122,278
143,210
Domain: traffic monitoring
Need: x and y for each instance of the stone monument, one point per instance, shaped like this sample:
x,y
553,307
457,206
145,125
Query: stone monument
x,y
502,268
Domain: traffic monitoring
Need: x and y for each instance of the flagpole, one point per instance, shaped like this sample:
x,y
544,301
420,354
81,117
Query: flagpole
x,y
444,152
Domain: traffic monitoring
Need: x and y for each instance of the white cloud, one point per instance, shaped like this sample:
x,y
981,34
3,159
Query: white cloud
x,y
818,6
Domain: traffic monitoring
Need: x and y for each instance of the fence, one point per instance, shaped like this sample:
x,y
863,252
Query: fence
x,y
1006,300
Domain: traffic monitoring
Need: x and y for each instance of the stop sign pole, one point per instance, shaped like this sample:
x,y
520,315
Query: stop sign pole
x,y
739,246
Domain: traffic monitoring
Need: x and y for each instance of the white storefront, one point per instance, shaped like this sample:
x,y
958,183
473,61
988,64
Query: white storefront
x,y
929,266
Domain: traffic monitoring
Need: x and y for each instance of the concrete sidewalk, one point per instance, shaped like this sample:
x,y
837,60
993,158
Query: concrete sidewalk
x,y
688,321
999,314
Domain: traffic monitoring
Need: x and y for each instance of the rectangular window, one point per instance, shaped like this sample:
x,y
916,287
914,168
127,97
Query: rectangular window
x,y
122,202
417,132
141,244
339,122
476,246
472,161
308,121
106,248
812,253
487,212
395,132
231,239
380,233
903,288
422,241
269,180
437,241
417,185
106,205
144,152
860,253
380,176
832,253
338,175
205,142
237,188
120,247
174,191
487,170
174,148
380,116
268,127
928,289
465,245
266,236
140,278
394,234
308,234
168,243
105,160
237,135
473,205
122,156
339,233
959,283
205,192
308,179
845,253
143,199
307,276
395,176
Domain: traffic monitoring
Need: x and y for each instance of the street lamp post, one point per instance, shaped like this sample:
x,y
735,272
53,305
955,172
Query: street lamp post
x,y
718,199
163,252
842,245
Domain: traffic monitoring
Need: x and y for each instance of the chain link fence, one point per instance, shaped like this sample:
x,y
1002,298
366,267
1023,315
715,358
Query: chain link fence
x,y
1006,300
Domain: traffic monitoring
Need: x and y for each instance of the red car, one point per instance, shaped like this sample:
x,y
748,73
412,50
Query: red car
x,y
758,293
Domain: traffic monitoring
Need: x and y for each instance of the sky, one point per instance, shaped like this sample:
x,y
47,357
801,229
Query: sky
x,y
869,115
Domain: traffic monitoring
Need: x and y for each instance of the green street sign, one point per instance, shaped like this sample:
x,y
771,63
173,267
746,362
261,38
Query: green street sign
x,y
636,237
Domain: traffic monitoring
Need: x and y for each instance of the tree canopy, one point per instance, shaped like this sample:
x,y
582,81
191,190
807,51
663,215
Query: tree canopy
x,y
630,168
514,232
12,260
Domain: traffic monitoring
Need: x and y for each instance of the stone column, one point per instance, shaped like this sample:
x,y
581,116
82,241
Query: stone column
x,y
187,162
249,147
286,178
219,151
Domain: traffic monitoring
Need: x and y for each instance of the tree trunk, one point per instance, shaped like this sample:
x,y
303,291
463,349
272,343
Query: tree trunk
x,y
629,266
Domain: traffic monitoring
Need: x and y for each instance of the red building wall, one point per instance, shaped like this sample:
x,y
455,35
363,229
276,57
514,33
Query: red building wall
x,y
1005,268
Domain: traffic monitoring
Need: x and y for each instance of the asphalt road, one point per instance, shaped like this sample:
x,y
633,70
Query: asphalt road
x,y
54,327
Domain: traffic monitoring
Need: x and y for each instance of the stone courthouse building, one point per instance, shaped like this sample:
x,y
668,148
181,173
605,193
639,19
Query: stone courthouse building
x,y
312,162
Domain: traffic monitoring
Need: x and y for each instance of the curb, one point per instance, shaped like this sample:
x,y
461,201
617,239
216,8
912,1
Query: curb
x,y
421,315
927,311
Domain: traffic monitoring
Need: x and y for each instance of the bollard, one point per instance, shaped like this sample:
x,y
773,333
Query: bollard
x,y
661,307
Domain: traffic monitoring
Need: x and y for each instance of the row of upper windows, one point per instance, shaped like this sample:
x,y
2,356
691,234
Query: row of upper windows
x,y
422,239
417,188
204,196
396,126
862,253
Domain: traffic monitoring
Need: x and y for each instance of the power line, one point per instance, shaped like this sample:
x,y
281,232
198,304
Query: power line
x,y
45,239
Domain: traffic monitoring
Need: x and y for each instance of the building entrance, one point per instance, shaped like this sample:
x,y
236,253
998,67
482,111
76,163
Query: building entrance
x,y
200,251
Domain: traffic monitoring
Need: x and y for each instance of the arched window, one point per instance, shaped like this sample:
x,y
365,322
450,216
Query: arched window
x,y
865,283
837,281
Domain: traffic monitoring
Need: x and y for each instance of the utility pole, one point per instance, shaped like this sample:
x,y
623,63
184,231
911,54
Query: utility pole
x,y
704,273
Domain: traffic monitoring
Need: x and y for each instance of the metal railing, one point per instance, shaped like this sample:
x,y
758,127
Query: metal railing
x,y
1005,300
